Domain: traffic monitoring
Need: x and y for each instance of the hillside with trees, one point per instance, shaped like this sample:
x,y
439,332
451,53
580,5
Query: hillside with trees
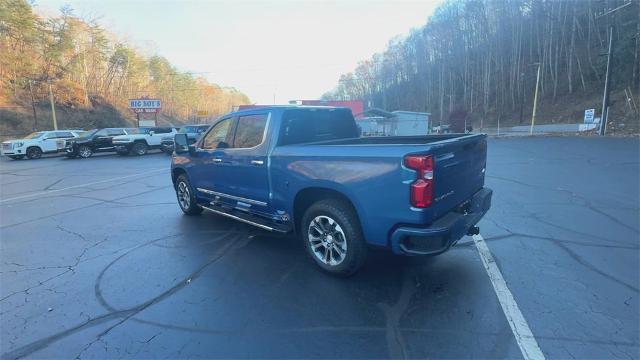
x,y
91,74
481,57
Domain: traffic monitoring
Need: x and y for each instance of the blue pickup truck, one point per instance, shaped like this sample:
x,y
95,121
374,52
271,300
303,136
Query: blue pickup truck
x,y
306,170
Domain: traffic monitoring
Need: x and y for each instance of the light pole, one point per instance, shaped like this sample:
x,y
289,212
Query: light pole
x,y
535,102
607,89
53,108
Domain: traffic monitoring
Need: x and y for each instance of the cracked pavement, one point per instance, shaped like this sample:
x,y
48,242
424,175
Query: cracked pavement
x,y
96,261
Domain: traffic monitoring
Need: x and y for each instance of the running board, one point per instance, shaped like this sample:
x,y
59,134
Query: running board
x,y
251,220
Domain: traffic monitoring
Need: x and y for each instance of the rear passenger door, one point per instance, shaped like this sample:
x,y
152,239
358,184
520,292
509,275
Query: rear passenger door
x,y
48,142
247,180
158,133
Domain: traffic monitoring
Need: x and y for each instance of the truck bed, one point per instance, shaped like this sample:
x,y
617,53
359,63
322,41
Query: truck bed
x,y
394,140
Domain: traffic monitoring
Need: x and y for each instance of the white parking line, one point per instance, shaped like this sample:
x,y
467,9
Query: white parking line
x,y
39,193
524,337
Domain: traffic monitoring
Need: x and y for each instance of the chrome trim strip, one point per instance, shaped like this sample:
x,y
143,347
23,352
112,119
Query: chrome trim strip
x,y
238,218
232,197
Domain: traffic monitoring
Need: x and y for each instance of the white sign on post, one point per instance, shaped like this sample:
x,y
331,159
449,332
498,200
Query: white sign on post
x,y
145,105
589,116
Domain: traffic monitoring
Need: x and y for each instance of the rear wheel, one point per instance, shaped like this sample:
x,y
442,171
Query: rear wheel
x,y
34,152
186,198
139,148
333,237
84,151
16,157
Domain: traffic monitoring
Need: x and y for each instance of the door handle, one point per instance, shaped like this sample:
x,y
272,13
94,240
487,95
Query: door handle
x,y
217,160
257,162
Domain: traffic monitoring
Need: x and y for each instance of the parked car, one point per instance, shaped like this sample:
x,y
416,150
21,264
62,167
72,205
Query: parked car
x,y
193,134
139,141
37,143
306,170
93,141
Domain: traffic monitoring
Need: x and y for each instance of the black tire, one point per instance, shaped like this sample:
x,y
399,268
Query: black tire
x,y
34,152
16,157
187,202
348,224
139,148
85,151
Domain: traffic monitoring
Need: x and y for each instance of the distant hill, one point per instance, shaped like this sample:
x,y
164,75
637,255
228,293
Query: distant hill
x,y
482,57
91,73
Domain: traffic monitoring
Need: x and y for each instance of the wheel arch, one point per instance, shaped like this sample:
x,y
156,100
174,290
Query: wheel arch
x,y
177,171
310,195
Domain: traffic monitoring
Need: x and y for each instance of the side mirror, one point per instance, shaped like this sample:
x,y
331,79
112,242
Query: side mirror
x,y
152,132
181,144
222,145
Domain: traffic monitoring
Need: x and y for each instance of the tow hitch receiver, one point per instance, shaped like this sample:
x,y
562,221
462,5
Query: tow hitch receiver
x,y
474,230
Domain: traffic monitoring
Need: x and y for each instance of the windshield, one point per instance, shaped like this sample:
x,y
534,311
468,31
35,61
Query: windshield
x,y
89,132
34,135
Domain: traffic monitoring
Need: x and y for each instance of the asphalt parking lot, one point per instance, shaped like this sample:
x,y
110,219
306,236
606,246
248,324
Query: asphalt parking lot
x,y
97,261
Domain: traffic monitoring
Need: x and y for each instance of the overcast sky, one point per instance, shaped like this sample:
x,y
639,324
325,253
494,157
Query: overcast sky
x,y
290,50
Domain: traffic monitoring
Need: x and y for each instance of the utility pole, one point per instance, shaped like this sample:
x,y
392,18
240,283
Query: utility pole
x,y
607,88
535,102
53,108
33,106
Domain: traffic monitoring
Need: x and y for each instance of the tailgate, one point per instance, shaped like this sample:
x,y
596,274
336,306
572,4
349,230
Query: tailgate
x,y
459,171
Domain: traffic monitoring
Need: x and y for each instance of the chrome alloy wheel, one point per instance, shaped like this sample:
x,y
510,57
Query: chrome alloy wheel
x,y
327,239
184,196
85,152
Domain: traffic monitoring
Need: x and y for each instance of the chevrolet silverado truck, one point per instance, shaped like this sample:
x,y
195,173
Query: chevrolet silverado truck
x,y
140,140
93,141
306,170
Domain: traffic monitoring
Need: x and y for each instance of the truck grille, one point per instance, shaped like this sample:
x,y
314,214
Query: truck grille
x,y
8,146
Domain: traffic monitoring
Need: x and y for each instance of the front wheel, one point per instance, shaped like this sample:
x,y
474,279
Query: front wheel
x,y
186,198
34,152
333,237
139,148
84,151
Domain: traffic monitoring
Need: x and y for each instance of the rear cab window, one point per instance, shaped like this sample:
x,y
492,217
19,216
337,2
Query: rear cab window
x,y
314,125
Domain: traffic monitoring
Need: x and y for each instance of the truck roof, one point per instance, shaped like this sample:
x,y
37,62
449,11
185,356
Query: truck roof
x,y
280,107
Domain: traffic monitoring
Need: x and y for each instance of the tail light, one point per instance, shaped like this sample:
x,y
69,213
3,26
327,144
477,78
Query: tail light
x,y
422,187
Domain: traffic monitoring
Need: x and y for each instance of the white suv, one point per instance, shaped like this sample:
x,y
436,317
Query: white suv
x,y
139,140
37,143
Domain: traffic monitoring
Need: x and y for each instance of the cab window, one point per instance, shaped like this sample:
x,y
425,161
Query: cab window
x,y
250,131
218,134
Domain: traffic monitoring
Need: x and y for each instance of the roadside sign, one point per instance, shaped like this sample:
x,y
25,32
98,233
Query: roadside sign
x,y
589,116
145,105
202,113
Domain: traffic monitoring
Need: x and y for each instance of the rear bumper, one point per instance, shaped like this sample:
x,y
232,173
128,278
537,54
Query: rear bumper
x,y
444,232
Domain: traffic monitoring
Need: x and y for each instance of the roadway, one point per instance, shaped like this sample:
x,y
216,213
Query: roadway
x,y
97,261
